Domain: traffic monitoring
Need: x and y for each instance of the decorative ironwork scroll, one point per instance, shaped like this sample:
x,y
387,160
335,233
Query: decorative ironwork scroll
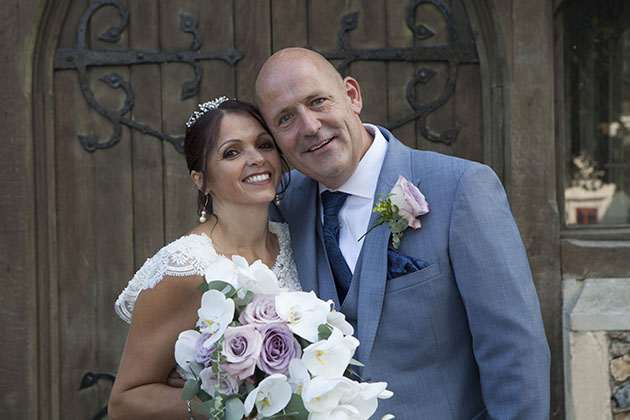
x,y
80,58
453,53
90,379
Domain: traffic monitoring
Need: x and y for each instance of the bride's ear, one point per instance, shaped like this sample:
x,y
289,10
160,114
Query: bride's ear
x,y
197,178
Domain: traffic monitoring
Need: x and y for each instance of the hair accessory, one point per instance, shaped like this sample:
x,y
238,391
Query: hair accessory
x,y
202,216
205,107
277,200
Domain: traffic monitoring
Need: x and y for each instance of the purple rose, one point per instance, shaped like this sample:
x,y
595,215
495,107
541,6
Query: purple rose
x,y
241,347
202,354
260,311
410,201
227,384
279,347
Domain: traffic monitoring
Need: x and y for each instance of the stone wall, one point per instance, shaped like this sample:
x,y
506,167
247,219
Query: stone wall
x,y
597,349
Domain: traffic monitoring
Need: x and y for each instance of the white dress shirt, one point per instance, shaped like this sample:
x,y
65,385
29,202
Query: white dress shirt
x,y
355,214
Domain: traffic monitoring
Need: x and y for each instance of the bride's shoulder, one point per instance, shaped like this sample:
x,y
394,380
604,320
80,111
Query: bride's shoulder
x,y
189,255
281,230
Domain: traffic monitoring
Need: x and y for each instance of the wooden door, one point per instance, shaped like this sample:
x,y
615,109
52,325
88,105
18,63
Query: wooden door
x,y
126,76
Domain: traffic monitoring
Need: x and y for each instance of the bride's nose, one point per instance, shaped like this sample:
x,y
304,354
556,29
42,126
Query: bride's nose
x,y
255,158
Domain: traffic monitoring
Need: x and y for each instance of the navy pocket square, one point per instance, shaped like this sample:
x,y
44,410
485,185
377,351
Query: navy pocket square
x,y
399,264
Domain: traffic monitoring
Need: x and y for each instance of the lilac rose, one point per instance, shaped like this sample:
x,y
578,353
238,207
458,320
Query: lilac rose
x,y
202,353
410,202
241,347
260,311
227,384
279,347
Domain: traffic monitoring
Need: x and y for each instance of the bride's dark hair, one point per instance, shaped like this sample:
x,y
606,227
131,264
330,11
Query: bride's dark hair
x,y
202,134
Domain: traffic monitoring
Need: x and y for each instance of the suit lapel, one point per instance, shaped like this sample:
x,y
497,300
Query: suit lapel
x,y
372,263
303,205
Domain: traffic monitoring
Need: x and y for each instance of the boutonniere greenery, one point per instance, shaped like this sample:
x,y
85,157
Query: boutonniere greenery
x,y
400,209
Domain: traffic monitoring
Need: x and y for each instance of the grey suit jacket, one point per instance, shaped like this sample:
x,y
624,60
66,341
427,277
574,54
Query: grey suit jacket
x,y
460,339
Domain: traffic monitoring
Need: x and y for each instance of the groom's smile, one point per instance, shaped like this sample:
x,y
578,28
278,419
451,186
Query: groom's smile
x,y
313,115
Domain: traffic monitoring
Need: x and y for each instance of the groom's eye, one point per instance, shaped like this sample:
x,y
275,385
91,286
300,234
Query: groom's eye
x,y
318,101
284,119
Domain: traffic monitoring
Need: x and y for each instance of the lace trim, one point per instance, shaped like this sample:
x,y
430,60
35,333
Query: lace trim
x,y
189,256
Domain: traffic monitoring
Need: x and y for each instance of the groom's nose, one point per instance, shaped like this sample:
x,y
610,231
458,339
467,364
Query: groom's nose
x,y
309,123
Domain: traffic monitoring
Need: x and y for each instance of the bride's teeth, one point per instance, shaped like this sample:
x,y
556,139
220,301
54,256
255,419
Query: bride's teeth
x,y
257,178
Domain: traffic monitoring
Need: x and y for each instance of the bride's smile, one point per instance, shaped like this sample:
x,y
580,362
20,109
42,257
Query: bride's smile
x,y
244,165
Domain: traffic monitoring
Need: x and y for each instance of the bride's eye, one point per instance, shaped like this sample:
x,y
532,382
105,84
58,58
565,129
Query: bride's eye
x,y
267,145
230,153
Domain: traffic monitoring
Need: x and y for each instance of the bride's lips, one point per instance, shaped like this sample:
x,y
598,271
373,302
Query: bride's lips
x,y
258,178
320,144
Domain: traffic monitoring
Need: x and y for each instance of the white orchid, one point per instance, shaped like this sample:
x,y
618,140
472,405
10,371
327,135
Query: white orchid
x,y
215,315
185,348
342,398
303,312
223,270
338,320
272,395
322,395
298,375
259,279
341,412
329,358
366,399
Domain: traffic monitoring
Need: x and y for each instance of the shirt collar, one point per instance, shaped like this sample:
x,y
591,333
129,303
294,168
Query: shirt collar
x,y
362,182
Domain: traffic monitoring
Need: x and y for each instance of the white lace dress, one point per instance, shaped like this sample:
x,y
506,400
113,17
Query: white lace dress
x,y
190,255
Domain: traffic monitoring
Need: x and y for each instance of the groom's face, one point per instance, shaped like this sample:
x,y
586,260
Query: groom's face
x,y
313,115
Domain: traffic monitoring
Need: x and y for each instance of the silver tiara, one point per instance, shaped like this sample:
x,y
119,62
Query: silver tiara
x,y
205,107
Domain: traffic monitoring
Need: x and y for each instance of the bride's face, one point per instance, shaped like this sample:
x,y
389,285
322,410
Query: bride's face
x,y
244,165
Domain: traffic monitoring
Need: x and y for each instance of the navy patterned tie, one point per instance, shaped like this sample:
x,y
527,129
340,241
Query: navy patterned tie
x,y
332,203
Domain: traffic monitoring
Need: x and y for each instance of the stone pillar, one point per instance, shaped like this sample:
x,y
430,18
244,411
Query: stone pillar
x,y
596,321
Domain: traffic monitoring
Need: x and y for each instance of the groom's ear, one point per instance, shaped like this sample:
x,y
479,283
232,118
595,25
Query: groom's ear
x,y
353,91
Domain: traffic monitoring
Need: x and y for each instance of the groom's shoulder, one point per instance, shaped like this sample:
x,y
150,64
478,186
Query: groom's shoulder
x,y
441,164
428,160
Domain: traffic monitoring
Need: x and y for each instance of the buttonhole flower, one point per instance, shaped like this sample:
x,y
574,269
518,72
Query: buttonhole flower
x,y
400,209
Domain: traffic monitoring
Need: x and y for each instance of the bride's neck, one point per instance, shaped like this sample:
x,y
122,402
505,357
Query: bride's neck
x,y
244,231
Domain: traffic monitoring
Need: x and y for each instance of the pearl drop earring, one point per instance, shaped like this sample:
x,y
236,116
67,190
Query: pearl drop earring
x,y
202,216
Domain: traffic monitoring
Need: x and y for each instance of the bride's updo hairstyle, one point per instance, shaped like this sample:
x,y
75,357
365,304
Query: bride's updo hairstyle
x,y
202,131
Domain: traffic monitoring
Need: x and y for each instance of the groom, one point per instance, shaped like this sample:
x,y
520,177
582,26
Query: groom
x,y
461,338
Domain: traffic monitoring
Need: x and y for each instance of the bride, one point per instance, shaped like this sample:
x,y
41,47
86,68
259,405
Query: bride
x,y
237,168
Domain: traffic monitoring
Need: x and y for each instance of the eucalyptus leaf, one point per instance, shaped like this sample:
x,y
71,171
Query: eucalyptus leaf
x,y
190,389
203,287
295,409
204,408
234,409
355,362
224,287
249,296
323,332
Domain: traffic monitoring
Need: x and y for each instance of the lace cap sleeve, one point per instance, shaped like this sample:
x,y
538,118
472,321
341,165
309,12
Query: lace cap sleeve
x,y
285,268
187,256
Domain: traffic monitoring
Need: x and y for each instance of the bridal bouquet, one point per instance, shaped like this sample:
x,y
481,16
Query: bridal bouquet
x,y
261,351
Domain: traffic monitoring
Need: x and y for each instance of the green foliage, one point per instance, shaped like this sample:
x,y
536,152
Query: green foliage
x,y
241,303
294,410
323,331
205,409
355,362
234,409
191,387
224,287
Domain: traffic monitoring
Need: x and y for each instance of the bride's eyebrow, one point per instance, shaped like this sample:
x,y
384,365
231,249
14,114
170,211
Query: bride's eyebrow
x,y
227,143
